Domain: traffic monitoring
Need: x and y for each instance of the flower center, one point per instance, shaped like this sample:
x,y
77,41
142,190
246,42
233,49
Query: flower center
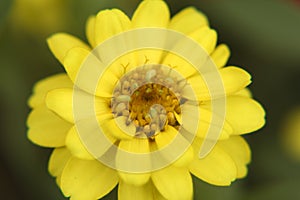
x,y
149,97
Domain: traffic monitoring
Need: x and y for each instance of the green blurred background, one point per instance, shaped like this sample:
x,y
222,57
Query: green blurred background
x,y
264,37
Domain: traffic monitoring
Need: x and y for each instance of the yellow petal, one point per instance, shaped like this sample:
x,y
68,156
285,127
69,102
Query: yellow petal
x,y
117,127
103,117
102,106
188,20
42,87
86,141
179,64
173,183
58,180
135,145
206,38
122,64
185,158
80,64
166,137
221,55
204,123
82,179
216,168
90,30
128,163
134,179
157,195
148,56
106,84
244,93
237,148
204,127
75,63
46,128
153,13
200,89
244,115
58,160
190,117
173,147
109,23
193,53
130,192
60,101
75,144
74,60
61,43
234,79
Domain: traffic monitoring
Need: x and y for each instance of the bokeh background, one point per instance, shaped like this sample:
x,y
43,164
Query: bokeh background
x,y
264,37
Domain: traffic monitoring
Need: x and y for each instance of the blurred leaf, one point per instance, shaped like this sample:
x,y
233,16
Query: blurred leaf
x,y
284,189
4,9
206,191
264,29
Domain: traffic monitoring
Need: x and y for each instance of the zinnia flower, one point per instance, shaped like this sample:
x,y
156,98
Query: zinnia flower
x,y
146,119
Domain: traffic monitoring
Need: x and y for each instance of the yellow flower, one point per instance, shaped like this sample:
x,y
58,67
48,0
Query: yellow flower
x,y
291,133
135,111
39,17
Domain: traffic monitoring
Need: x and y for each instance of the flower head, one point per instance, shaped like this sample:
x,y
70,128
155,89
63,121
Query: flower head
x,y
145,105
39,18
291,133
